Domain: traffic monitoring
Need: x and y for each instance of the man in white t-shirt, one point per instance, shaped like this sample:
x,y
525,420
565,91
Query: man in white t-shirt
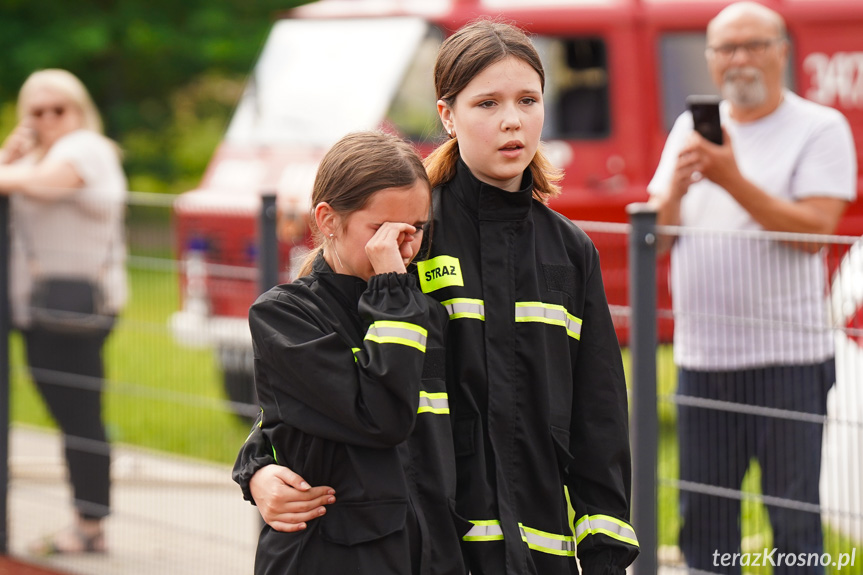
x,y
750,315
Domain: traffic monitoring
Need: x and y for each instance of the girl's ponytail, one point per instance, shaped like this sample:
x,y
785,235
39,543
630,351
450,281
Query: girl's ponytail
x,y
441,163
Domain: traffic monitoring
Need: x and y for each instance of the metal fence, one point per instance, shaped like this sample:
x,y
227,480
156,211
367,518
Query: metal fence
x,y
721,463
175,430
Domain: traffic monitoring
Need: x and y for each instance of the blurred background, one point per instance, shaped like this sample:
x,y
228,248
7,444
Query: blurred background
x,y
208,101
165,75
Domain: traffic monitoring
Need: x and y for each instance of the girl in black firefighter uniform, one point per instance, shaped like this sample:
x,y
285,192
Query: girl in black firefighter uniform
x,y
534,372
349,372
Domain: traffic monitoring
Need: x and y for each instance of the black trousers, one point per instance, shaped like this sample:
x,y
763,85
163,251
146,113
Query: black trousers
x,y
716,447
69,373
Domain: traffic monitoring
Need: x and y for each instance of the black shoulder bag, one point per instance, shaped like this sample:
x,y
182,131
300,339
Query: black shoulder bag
x,y
63,304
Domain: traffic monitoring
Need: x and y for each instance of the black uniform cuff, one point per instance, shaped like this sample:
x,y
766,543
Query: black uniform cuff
x,y
242,475
393,279
605,562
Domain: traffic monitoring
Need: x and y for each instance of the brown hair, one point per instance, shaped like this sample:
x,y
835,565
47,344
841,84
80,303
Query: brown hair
x,y
462,56
354,169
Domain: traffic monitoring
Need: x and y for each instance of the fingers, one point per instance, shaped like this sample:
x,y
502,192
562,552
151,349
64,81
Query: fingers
x,y
688,168
294,516
285,500
290,478
20,142
384,249
395,232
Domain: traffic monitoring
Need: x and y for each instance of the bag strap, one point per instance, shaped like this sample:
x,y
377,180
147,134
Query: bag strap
x,y
33,262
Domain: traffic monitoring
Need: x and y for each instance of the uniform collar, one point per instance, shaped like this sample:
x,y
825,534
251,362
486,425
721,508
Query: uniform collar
x,y
489,202
350,287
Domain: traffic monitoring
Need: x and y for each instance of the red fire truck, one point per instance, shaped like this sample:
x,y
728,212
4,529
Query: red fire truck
x,y
618,73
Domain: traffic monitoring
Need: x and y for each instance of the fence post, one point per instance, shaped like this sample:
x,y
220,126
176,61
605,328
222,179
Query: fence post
x,y
268,245
5,395
642,347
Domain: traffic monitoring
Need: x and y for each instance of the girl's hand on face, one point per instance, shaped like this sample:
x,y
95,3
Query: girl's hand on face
x,y
286,502
390,248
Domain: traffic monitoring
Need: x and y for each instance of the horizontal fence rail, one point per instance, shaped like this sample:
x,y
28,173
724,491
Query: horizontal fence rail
x,y
173,423
746,264
178,397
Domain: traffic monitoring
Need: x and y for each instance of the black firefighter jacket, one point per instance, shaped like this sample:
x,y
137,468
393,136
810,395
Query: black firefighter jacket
x,y
536,384
350,380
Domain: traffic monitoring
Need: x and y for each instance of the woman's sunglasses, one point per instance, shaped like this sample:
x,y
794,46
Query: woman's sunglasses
x,y
56,110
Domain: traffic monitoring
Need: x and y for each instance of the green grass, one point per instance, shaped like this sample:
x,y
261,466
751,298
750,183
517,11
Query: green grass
x,y
159,395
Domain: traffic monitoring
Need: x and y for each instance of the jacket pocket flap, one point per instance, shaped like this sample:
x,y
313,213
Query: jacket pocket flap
x,y
355,523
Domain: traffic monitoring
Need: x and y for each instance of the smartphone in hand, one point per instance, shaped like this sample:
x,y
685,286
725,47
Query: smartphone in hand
x,y
705,117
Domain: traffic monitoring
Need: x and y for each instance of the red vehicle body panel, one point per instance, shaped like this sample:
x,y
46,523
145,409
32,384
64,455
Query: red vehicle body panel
x,y
603,174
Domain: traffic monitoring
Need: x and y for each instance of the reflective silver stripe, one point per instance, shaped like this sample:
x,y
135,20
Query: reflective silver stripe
x,y
465,308
434,403
547,542
484,531
553,314
537,540
398,332
614,528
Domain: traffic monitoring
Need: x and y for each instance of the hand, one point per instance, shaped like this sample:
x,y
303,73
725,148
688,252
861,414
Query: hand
x,y
686,170
389,249
18,144
286,502
716,163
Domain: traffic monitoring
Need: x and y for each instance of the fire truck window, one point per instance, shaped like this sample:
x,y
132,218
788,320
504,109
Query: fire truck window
x,y
316,80
576,88
684,72
413,112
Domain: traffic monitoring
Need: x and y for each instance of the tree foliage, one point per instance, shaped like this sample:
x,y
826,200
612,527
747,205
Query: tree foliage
x,y
164,74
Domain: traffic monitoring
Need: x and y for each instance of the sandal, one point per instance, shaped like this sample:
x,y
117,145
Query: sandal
x,y
59,543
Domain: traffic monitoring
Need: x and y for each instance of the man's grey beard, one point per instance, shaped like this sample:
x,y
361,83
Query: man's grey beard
x,y
744,87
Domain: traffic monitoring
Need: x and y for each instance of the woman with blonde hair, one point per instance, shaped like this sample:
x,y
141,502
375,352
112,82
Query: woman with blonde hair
x,y
68,280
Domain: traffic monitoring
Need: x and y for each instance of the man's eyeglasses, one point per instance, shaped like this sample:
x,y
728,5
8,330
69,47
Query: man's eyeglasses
x,y
754,48
58,111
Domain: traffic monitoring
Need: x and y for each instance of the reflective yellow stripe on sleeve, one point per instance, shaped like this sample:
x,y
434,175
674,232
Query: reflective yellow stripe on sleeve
x,y
437,403
465,308
606,525
552,314
547,542
399,332
484,530
542,541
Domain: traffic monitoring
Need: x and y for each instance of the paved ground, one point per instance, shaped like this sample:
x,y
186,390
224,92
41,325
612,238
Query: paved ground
x,y
171,516
12,567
